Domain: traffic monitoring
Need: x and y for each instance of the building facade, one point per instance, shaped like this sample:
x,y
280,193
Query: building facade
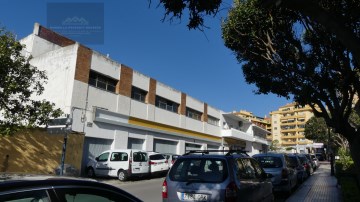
x,y
288,126
117,107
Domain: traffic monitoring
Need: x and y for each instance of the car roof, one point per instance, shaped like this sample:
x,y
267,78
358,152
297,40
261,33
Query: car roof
x,y
270,154
50,182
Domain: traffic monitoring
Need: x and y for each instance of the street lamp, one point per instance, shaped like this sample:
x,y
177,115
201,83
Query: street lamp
x,y
331,153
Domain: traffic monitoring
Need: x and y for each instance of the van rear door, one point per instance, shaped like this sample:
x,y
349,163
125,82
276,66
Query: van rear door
x,y
140,163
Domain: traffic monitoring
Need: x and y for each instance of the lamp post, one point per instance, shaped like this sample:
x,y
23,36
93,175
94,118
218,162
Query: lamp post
x,y
331,154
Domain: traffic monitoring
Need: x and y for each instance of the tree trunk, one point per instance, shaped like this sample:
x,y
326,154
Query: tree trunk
x,y
355,154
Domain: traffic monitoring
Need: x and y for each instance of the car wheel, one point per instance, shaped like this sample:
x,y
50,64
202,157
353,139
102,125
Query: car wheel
x,y
90,172
122,175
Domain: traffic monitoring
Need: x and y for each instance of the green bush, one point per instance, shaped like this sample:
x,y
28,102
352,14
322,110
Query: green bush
x,y
345,173
350,190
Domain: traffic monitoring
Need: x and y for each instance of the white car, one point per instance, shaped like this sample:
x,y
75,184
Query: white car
x,y
158,163
120,163
171,158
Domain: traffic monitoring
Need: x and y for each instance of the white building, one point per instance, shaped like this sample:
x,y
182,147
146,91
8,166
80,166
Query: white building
x,y
117,107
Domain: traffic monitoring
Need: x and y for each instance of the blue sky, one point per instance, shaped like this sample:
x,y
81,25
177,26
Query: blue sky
x,y
192,62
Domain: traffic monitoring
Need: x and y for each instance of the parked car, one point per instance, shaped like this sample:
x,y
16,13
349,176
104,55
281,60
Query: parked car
x,y
313,164
217,177
316,160
171,158
158,164
279,165
320,156
300,168
306,163
61,189
121,163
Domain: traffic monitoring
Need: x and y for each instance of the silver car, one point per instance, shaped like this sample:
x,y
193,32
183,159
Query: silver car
x,y
217,177
279,165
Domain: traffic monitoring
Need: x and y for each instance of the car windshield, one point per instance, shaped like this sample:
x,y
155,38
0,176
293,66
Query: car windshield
x,y
199,170
269,161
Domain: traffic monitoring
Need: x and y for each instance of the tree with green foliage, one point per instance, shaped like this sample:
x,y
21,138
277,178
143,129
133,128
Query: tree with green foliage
x,y
20,83
304,49
317,130
275,145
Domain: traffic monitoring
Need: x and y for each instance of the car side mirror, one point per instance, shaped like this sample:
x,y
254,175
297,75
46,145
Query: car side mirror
x,y
97,158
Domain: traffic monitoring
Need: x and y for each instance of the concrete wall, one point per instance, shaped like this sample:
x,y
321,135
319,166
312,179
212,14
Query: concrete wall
x,y
37,152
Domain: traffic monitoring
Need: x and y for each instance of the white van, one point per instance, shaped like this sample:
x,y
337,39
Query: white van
x,y
120,163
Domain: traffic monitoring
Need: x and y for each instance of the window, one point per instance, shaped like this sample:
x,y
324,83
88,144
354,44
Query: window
x,y
245,170
269,161
157,157
103,82
140,157
193,114
258,171
138,94
89,194
103,157
200,170
119,156
34,195
213,121
166,104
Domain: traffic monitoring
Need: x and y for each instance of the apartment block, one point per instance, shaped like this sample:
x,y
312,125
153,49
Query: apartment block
x,y
288,126
117,107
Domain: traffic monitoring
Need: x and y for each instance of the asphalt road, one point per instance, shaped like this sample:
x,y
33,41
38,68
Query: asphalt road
x,y
148,190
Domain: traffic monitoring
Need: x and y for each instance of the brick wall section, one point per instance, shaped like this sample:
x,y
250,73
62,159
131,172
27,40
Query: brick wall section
x,y
182,107
204,116
151,96
125,83
54,37
83,62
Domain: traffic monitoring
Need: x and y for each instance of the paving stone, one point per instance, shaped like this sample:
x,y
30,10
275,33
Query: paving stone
x,y
321,186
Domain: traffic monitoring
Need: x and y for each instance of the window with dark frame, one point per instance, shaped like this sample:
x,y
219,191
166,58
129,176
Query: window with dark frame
x,y
103,82
138,94
166,104
191,113
213,121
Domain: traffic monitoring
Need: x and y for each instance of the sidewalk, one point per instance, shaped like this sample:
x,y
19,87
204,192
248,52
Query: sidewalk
x,y
321,186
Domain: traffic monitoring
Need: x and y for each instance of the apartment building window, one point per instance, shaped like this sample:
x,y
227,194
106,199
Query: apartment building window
x,y
166,104
191,113
301,126
213,121
101,81
138,94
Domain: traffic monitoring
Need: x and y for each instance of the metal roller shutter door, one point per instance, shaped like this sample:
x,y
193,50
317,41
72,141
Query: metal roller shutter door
x,y
165,146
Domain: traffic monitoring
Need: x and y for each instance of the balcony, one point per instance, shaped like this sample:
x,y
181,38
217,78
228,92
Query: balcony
x,y
237,134
288,143
261,140
288,137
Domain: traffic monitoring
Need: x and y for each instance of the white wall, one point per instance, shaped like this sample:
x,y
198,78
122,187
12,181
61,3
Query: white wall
x,y
166,117
141,81
193,124
166,92
60,69
37,46
138,109
194,104
105,66
100,98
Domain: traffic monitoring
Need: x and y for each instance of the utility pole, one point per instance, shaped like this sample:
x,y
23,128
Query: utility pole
x,y
67,130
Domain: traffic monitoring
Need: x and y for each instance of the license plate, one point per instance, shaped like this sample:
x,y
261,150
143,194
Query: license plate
x,y
193,197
